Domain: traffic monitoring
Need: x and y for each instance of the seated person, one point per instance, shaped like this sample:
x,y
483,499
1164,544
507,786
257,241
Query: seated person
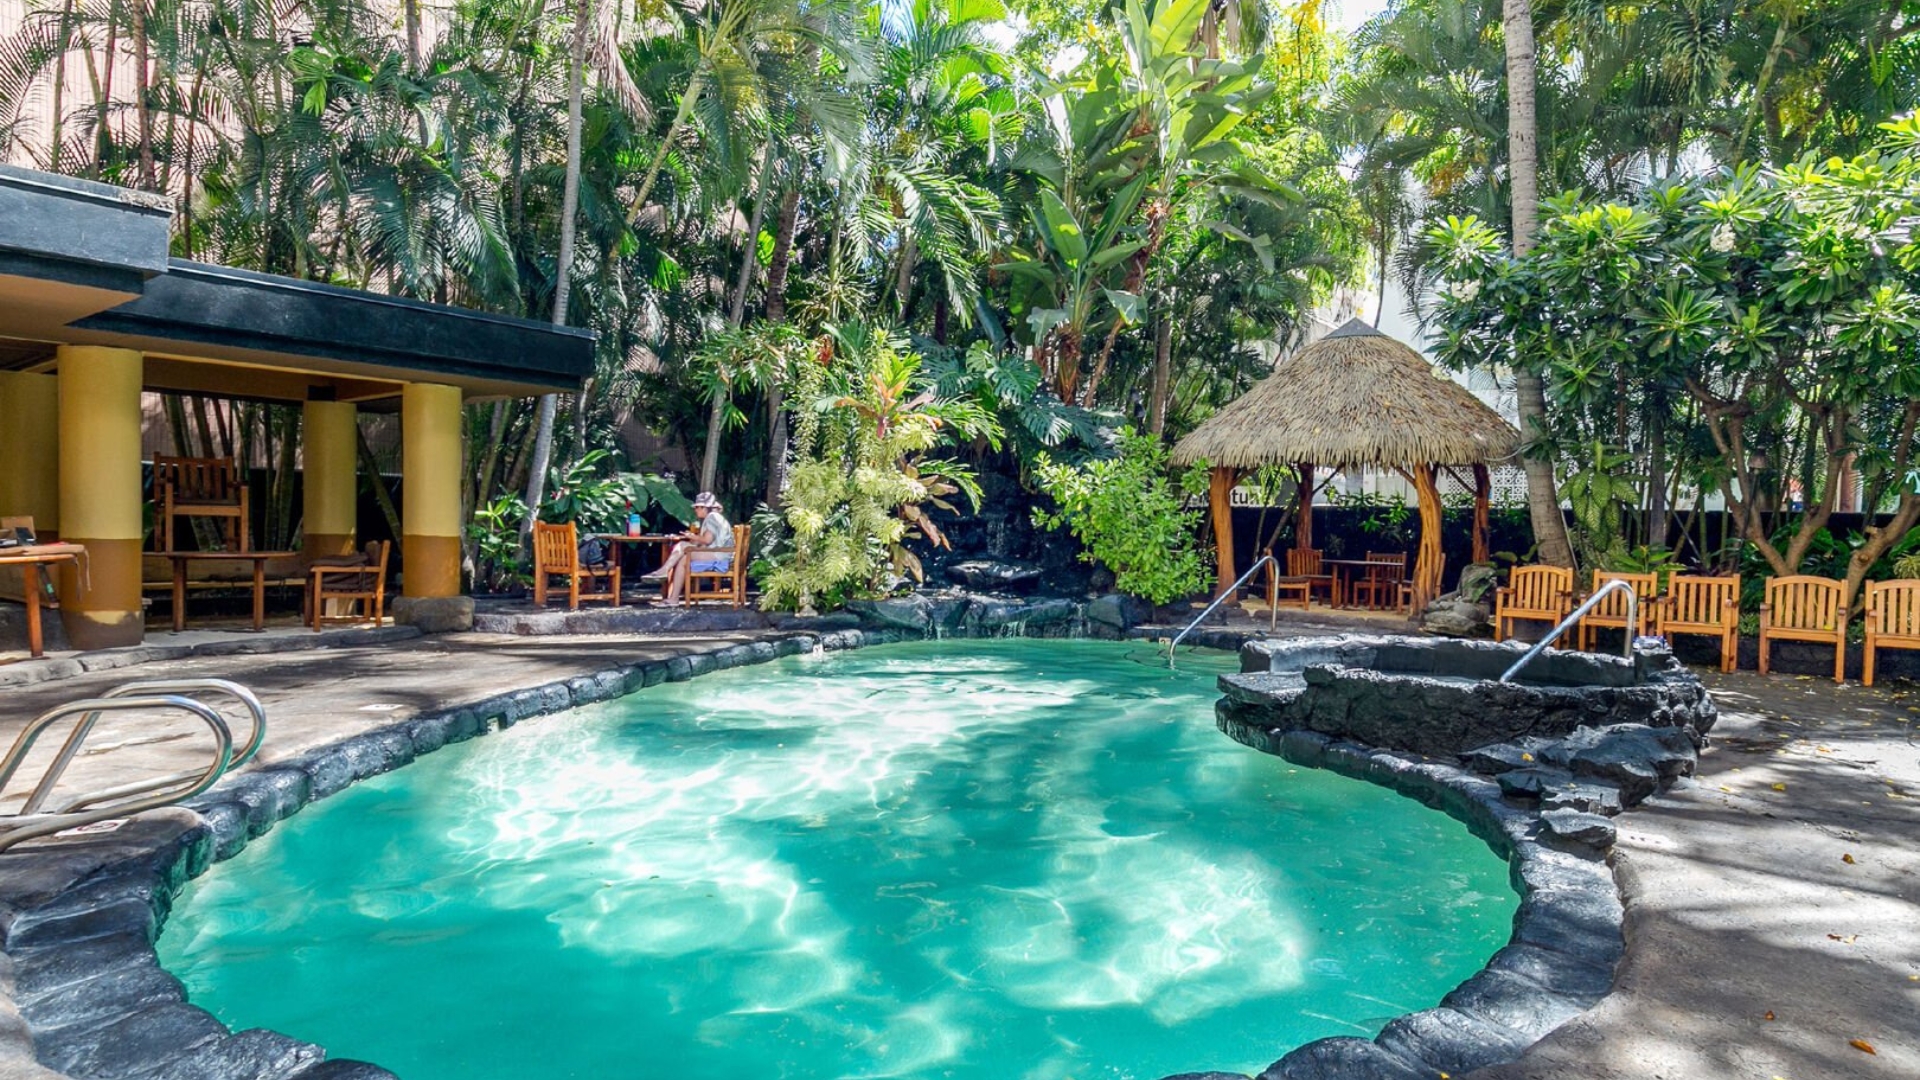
x,y
710,530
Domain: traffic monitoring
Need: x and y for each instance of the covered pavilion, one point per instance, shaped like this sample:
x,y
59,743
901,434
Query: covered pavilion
x,y
93,312
1355,398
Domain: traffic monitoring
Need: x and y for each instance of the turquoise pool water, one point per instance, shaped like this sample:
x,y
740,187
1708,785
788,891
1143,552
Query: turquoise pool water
x,y
1018,860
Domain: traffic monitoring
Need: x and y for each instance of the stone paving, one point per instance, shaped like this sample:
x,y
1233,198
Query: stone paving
x,y
1773,903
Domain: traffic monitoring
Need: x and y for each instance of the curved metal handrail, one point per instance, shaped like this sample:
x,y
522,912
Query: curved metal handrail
x,y
31,822
1231,590
195,687
1559,628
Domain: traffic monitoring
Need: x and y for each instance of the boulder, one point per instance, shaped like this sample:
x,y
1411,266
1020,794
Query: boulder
x,y
1457,618
990,575
433,614
1120,611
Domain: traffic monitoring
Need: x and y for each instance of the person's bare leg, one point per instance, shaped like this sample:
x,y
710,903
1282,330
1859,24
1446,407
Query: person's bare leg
x,y
677,586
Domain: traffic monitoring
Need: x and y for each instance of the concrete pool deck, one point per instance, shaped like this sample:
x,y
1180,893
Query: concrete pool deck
x,y
1740,901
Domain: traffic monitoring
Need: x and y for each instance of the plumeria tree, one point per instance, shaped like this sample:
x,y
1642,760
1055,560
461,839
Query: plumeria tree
x,y
1778,308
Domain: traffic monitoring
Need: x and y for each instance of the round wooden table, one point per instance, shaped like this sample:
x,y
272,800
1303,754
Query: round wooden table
x,y
1345,570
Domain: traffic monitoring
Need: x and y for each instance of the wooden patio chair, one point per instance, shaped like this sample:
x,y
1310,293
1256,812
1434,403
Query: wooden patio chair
x,y
1893,620
1378,585
1298,587
1305,563
1406,588
556,553
1801,607
1611,612
1699,604
360,579
201,487
720,585
1543,593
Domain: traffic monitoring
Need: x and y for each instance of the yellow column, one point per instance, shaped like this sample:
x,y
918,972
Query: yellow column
x,y
100,497
30,449
328,456
430,466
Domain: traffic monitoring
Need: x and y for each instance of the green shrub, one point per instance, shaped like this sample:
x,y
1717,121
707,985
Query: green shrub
x,y
1130,518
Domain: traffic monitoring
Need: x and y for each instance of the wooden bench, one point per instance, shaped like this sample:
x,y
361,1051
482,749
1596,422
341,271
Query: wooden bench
x,y
1534,593
1801,607
1611,612
1893,620
361,579
1700,604
201,487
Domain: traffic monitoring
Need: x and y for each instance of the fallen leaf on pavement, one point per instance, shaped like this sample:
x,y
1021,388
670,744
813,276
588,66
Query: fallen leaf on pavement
x,y
1769,1014
1848,859
1779,787
1863,1046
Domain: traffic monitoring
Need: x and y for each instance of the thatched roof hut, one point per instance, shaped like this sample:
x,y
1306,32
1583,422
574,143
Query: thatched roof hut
x,y
1354,398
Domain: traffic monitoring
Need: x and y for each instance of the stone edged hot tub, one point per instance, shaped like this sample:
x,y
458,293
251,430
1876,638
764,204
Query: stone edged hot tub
x,y
1442,696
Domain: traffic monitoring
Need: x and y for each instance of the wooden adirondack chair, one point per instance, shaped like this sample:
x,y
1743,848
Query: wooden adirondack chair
x,y
1893,620
725,585
1698,604
1305,563
363,580
1611,612
1543,593
1801,607
556,552
201,487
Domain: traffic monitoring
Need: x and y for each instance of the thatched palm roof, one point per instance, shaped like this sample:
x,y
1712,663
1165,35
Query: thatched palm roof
x,y
1355,397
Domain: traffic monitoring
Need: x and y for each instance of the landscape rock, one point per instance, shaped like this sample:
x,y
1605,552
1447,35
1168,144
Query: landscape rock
x,y
990,575
1530,783
1344,1058
1579,827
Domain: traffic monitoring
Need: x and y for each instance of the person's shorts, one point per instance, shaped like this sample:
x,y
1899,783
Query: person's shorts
x,y
713,566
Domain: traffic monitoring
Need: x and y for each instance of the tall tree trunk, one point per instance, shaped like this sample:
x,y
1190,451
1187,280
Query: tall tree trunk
x,y
1543,495
1162,374
60,85
736,315
563,269
776,312
137,12
413,34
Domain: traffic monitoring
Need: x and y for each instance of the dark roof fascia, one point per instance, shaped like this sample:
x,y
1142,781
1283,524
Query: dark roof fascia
x,y
219,305
79,231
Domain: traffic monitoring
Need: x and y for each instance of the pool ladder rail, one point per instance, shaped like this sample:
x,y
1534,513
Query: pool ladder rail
x,y
1273,610
35,818
1560,629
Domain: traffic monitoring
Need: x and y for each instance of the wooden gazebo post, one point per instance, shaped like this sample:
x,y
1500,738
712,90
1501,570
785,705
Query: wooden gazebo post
x,y
1220,481
1482,495
1303,514
1426,566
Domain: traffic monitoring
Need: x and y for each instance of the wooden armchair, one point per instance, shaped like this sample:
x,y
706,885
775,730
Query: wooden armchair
x,y
729,584
556,552
1378,585
1305,563
1801,607
1611,612
1544,593
360,579
201,487
1697,604
1893,620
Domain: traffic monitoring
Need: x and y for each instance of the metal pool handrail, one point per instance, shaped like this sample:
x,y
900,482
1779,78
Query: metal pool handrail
x,y
1633,624
31,821
1218,600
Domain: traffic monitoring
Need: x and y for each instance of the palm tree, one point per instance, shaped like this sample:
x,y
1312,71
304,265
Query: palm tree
x,y
1543,494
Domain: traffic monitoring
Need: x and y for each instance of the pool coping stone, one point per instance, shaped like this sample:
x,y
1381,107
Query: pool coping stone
x,y
78,920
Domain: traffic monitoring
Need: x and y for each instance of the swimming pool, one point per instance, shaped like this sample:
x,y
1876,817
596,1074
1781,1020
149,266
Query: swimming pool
x,y
1018,858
